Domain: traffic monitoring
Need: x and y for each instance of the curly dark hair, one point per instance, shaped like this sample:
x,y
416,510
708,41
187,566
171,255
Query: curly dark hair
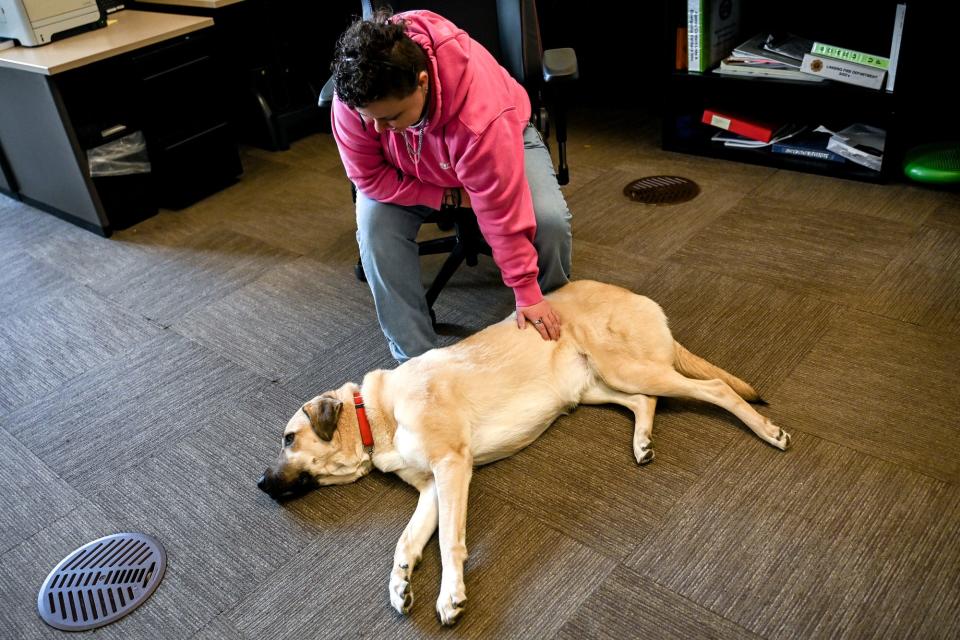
x,y
376,59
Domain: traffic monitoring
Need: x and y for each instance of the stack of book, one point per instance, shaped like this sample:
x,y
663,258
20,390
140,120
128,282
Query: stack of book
x,y
755,57
855,67
796,140
744,132
790,57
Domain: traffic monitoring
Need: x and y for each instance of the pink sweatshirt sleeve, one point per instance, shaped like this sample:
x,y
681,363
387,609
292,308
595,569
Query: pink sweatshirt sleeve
x,y
367,167
492,172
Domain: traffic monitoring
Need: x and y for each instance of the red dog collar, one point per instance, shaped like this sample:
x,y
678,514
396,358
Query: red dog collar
x,y
365,434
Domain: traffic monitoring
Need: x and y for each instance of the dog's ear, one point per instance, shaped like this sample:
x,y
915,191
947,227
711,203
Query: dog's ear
x,y
323,413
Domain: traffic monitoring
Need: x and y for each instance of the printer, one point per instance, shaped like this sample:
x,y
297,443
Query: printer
x,y
36,22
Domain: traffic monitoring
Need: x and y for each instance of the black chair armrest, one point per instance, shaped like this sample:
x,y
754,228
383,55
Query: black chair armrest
x,y
559,70
326,94
560,65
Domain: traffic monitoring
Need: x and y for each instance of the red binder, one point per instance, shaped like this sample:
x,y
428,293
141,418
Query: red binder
x,y
753,129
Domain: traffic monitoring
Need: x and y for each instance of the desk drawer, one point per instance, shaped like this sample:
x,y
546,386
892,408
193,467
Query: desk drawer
x,y
182,101
190,169
100,101
191,144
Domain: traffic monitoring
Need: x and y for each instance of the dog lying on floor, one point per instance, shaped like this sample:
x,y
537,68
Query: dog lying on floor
x,y
436,416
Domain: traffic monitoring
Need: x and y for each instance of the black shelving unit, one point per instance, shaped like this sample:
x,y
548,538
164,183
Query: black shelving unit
x,y
855,25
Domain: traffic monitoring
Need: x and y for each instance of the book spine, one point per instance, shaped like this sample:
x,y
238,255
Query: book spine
x,y
706,35
895,45
819,154
693,35
843,71
831,51
681,55
752,130
724,31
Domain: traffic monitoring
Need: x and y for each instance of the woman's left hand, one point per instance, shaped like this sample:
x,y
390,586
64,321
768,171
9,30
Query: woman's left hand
x,y
543,317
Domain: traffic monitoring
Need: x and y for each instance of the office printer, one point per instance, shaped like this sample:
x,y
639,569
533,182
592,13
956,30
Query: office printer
x,y
36,22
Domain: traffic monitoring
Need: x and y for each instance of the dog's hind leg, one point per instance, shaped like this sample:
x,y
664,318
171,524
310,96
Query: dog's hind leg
x,y
410,545
666,381
643,408
452,474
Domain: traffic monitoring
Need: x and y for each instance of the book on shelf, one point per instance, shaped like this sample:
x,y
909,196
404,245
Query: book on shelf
x,y
751,67
748,128
832,51
808,144
713,27
895,44
753,48
681,54
788,45
843,71
736,141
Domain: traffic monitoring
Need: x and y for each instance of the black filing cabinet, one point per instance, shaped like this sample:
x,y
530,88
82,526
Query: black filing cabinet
x,y
185,120
172,93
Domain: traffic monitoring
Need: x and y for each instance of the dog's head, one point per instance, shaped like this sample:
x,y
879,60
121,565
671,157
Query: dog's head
x,y
314,452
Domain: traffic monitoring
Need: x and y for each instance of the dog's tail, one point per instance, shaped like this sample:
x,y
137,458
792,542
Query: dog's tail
x,y
693,366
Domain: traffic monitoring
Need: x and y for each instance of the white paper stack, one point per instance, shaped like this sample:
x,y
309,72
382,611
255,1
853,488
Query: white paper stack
x,y
858,143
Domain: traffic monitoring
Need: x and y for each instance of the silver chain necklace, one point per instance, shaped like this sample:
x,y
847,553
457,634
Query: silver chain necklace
x,y
414,152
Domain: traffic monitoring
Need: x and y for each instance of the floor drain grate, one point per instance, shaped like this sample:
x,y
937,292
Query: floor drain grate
x,y
661,190
102,581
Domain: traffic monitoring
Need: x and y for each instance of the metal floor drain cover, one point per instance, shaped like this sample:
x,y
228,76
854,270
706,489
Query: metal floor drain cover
x,y
102,581
661,190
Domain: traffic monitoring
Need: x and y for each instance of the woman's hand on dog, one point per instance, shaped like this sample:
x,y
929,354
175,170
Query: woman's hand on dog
x,y
543,318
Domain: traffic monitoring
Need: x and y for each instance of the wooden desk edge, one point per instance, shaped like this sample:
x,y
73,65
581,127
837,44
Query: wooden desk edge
x,y
191,24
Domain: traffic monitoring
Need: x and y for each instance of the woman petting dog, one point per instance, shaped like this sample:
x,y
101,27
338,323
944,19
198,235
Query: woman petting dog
x,y
424,116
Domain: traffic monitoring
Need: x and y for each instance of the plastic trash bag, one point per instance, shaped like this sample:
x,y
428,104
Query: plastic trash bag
x,y
121,157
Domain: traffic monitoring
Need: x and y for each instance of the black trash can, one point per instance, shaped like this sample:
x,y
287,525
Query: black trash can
x,y
123,177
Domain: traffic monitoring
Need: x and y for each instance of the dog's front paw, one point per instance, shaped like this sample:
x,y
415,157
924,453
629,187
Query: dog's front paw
x,y
643,453
450,607
401,595
782,440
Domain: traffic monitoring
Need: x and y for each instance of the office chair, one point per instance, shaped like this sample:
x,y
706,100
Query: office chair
x,y
510,30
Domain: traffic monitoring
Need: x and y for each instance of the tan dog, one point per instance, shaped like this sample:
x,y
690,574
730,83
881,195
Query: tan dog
x,y
436,416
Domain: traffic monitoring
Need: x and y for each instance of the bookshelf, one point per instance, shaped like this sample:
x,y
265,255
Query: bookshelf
x,y
855,25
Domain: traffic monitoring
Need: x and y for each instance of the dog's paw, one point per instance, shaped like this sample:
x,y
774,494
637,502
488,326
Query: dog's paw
x,y
450,608
783,440
401,595
644,453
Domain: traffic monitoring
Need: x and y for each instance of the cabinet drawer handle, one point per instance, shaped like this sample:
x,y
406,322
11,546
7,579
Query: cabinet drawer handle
x,y
170,147
109,131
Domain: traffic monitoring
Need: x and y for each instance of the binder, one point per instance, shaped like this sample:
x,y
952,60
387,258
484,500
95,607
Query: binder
x,y
753,129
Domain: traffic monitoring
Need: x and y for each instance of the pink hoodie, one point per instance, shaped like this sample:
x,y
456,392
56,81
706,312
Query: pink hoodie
x,y
474,140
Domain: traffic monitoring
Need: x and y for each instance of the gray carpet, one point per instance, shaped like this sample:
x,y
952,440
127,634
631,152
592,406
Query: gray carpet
x,y
145,381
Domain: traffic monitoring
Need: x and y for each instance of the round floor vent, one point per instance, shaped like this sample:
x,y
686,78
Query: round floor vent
x,y
662,190
102,581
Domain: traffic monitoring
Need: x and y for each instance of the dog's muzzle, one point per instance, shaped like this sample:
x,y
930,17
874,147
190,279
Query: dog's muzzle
x,y
275,486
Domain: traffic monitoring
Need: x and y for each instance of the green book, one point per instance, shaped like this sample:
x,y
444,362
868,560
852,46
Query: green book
x,y
850,55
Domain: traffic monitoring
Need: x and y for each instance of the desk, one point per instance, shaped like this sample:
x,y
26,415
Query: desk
x,y
146,72
276,56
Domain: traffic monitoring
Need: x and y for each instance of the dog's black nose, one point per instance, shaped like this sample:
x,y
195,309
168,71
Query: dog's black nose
x,y
264,483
